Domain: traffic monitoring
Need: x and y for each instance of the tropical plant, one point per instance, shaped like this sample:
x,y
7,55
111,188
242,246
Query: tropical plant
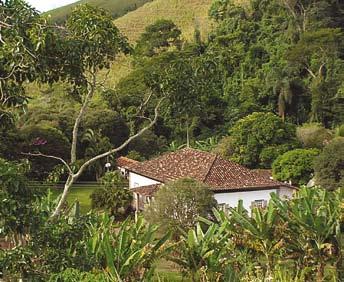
x,y
130,252
96,144
312,226
203,255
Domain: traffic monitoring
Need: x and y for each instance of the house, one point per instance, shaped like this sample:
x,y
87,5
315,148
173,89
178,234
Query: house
x,y
123,164
229,181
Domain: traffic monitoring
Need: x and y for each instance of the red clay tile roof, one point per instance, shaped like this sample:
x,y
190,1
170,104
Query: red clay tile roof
x,y
125,162
148,190
205,167
264,172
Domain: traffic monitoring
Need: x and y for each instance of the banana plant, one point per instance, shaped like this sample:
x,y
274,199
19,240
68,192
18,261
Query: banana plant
x,y
314,231
203,255
130,250
262,230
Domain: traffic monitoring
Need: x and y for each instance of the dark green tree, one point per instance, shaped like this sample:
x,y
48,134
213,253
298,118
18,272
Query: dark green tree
x,y
158,37
295,166
329,166
258,139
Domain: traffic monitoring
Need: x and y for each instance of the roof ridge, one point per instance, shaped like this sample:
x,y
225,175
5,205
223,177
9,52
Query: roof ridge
x,y
210,167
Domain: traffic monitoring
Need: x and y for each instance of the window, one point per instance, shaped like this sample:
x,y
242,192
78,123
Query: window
x,y
261,204
224,207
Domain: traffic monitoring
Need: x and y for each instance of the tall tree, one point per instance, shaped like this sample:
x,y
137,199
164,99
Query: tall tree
x,y
91,42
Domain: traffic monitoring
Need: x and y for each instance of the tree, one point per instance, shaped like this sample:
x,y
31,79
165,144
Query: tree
x,y
114,195
260,138
24,47
18,214
329,165
92,44
313,135
178,204
96,143
295,166
159,36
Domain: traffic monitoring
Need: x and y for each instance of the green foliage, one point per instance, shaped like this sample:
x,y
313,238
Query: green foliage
x,y
131,251
203,256
299,239
329,166
46,140
260,138
161,35
114,195
313,135
25,43
224,148
96,144
177,205
134,155
18,215
295,166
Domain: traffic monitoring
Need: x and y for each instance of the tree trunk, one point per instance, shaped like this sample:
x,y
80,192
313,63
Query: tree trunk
x,y
70,181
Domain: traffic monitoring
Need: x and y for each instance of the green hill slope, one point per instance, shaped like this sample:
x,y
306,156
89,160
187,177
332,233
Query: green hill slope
x,y
117,8
186,14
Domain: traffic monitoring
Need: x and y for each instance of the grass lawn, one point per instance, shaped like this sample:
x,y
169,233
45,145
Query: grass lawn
x,y
168,272
78,192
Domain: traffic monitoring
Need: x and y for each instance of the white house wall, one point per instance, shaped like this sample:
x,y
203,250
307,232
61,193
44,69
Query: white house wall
x,y
285,192
232,198
136,180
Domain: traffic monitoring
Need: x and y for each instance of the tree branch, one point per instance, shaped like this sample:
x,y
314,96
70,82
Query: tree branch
x,y
94,159
50,157
80,116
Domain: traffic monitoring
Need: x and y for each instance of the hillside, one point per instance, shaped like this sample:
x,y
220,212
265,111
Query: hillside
x,y
186,14
117,8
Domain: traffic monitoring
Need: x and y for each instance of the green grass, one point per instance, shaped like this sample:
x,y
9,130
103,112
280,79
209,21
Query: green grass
x,y
79,193
167,271
117,8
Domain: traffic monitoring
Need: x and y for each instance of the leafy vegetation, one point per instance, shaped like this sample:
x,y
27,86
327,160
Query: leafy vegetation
x,y
295,166
265,88
114,195
178,205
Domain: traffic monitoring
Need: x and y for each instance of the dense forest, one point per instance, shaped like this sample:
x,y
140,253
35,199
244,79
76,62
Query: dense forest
x,y
264,89
267,79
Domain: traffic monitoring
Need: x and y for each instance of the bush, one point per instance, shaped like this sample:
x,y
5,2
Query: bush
x,y
179,204
259,138
329,165
224,148
313,135
114,195
295,165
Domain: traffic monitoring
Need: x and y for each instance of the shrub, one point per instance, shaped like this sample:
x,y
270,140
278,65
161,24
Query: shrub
x,y
329,165
259,138
114,195
313,135
295,165
224,148
178,204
